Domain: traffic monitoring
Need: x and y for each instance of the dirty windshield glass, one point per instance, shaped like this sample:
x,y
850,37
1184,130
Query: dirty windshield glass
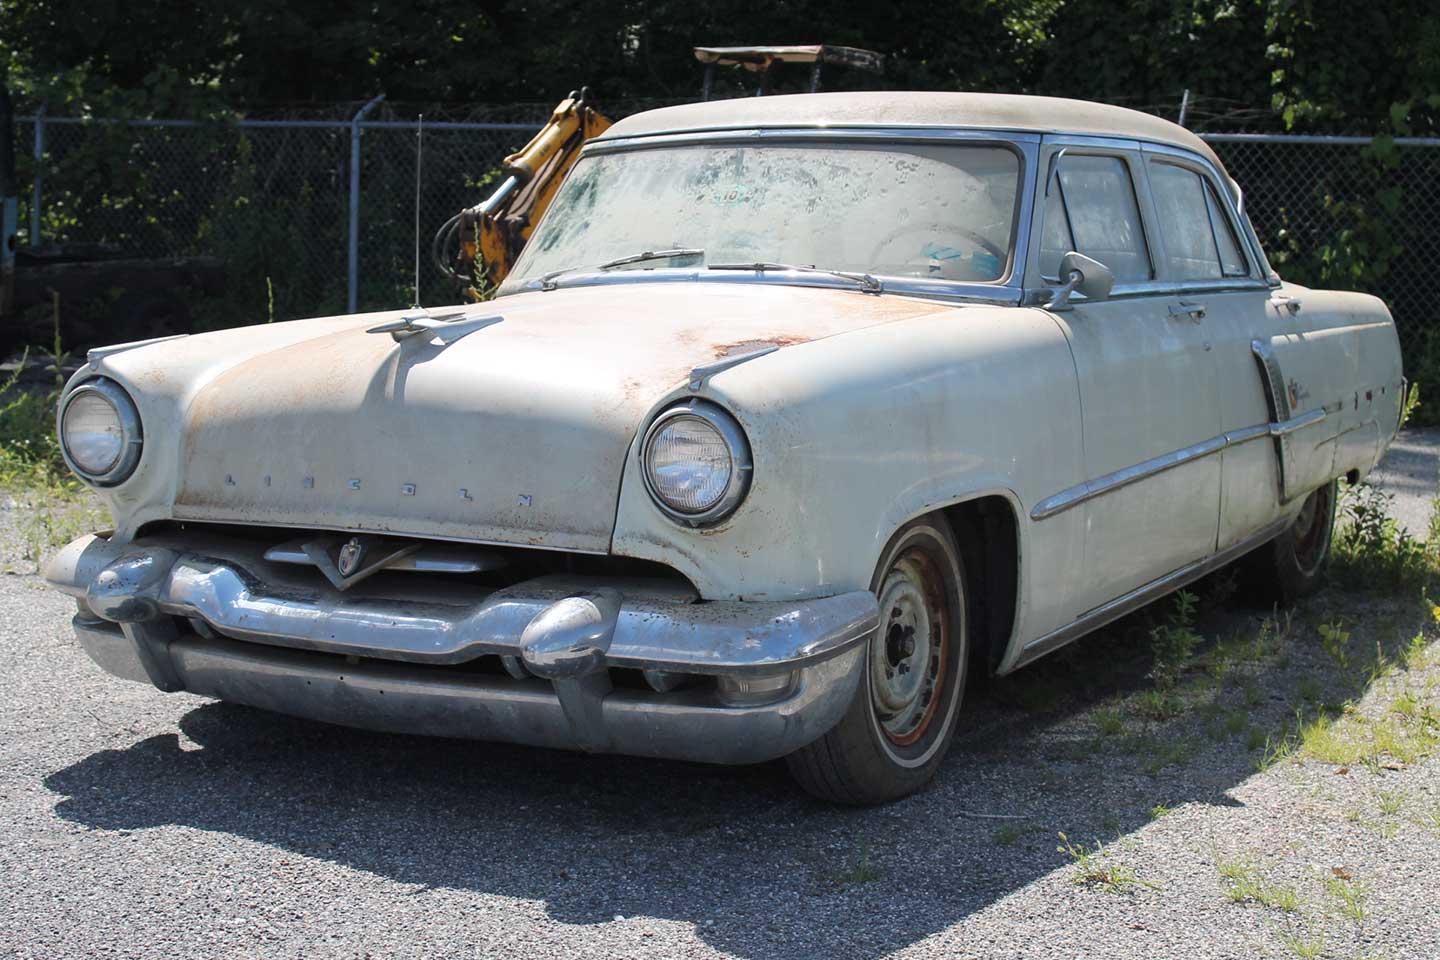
x,y
942,211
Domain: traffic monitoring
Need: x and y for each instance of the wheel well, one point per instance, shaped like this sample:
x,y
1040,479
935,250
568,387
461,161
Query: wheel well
x,y
986,532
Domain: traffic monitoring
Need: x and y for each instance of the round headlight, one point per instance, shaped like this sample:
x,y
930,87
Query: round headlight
x,y
697,462
100,432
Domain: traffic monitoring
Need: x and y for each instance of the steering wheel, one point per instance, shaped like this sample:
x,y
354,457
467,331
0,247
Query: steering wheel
x,y
944,228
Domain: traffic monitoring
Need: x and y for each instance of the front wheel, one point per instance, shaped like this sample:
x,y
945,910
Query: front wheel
x,y
900,724
1293,564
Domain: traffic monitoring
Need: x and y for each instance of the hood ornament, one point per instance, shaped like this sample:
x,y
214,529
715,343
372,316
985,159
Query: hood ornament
x,y
442,328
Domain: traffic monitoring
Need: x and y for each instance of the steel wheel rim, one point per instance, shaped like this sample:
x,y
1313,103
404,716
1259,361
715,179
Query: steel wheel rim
x,y
907,657
1312,530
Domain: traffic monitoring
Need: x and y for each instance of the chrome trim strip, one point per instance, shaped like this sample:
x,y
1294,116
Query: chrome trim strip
x,y
1145,469
1090,489
1278,400
1297,423
1245,435
1140,596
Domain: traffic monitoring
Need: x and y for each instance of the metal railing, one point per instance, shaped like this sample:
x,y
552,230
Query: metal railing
x,y
316,216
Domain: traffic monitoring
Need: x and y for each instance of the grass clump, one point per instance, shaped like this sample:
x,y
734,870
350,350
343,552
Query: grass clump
x,y
1306,947
1349,896
1093,868
861,870
1109,721
1243,884
1009,834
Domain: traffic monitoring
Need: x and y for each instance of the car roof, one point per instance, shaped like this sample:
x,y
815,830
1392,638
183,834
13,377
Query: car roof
x,y
977,111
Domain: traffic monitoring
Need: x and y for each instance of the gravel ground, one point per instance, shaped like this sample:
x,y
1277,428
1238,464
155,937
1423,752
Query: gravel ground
x,y
138,824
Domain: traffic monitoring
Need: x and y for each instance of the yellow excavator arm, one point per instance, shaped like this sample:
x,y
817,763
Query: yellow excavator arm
x,y
492,233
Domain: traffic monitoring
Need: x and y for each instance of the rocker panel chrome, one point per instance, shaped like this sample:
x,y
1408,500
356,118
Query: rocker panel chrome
x,y
1141,595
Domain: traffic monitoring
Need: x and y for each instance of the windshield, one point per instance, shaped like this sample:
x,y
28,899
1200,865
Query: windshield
x,y
934,211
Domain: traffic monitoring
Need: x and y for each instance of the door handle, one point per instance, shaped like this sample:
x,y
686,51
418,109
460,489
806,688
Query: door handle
x,y
1195,311
1283,302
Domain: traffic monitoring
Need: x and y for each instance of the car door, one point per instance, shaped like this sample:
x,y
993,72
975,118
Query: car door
x,y
1148,387
1203,258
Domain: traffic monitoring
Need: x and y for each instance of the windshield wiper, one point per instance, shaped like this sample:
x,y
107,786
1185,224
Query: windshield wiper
x,y
547,282
867,283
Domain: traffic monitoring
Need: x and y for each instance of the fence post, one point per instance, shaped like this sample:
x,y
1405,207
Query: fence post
x,y
352,292
39,172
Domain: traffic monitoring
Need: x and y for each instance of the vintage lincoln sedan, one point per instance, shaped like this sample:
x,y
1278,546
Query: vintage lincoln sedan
x,y
794,414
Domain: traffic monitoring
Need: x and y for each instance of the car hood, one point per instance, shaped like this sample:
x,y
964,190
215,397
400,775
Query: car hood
x,y
516,432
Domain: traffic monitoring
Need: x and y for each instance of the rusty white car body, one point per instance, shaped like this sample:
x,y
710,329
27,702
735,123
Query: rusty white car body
x,y
457,523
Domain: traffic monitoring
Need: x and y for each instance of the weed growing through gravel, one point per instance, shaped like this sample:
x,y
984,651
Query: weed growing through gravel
x,y
1159,810
1390,803
1109,721
1243,884
860,871
1009,834
1372,552
1307,947
1350,896
1093,868
1158,705
1173,643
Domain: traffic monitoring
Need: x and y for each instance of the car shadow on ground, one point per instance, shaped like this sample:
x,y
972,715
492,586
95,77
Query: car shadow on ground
x,y
759,869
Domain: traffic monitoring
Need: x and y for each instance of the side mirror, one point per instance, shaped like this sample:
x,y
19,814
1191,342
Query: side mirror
x,y
1080,273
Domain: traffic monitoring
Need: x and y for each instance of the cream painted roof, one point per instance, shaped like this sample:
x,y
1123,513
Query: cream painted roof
x,y
982,111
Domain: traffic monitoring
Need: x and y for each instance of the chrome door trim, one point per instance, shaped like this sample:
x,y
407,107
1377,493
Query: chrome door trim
x,y
1145,469
1124,477
1129,602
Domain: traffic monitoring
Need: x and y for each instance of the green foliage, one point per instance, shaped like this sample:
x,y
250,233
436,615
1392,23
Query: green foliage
x,y
1173,643
32,470
1371,551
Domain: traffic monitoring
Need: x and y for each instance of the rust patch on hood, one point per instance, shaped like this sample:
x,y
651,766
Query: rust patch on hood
x,y
723,350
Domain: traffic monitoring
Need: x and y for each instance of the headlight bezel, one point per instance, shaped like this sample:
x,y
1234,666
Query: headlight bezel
x,y
741,462
131,433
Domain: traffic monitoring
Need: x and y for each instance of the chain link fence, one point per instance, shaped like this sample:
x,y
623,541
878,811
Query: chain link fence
x,y
272,200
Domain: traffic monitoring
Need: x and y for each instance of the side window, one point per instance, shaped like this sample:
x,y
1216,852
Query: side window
x,y
1092,209
1232,261
1199,241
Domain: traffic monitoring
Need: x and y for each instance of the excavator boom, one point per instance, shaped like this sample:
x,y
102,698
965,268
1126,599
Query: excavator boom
x,y
492,233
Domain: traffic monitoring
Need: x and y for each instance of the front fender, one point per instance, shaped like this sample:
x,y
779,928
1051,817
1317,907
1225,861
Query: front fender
x,y
856,434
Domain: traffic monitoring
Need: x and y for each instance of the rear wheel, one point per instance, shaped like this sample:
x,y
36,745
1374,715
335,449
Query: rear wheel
x,y
1293,564
901,722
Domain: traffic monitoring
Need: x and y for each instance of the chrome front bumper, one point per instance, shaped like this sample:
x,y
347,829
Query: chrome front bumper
x,y
165,612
